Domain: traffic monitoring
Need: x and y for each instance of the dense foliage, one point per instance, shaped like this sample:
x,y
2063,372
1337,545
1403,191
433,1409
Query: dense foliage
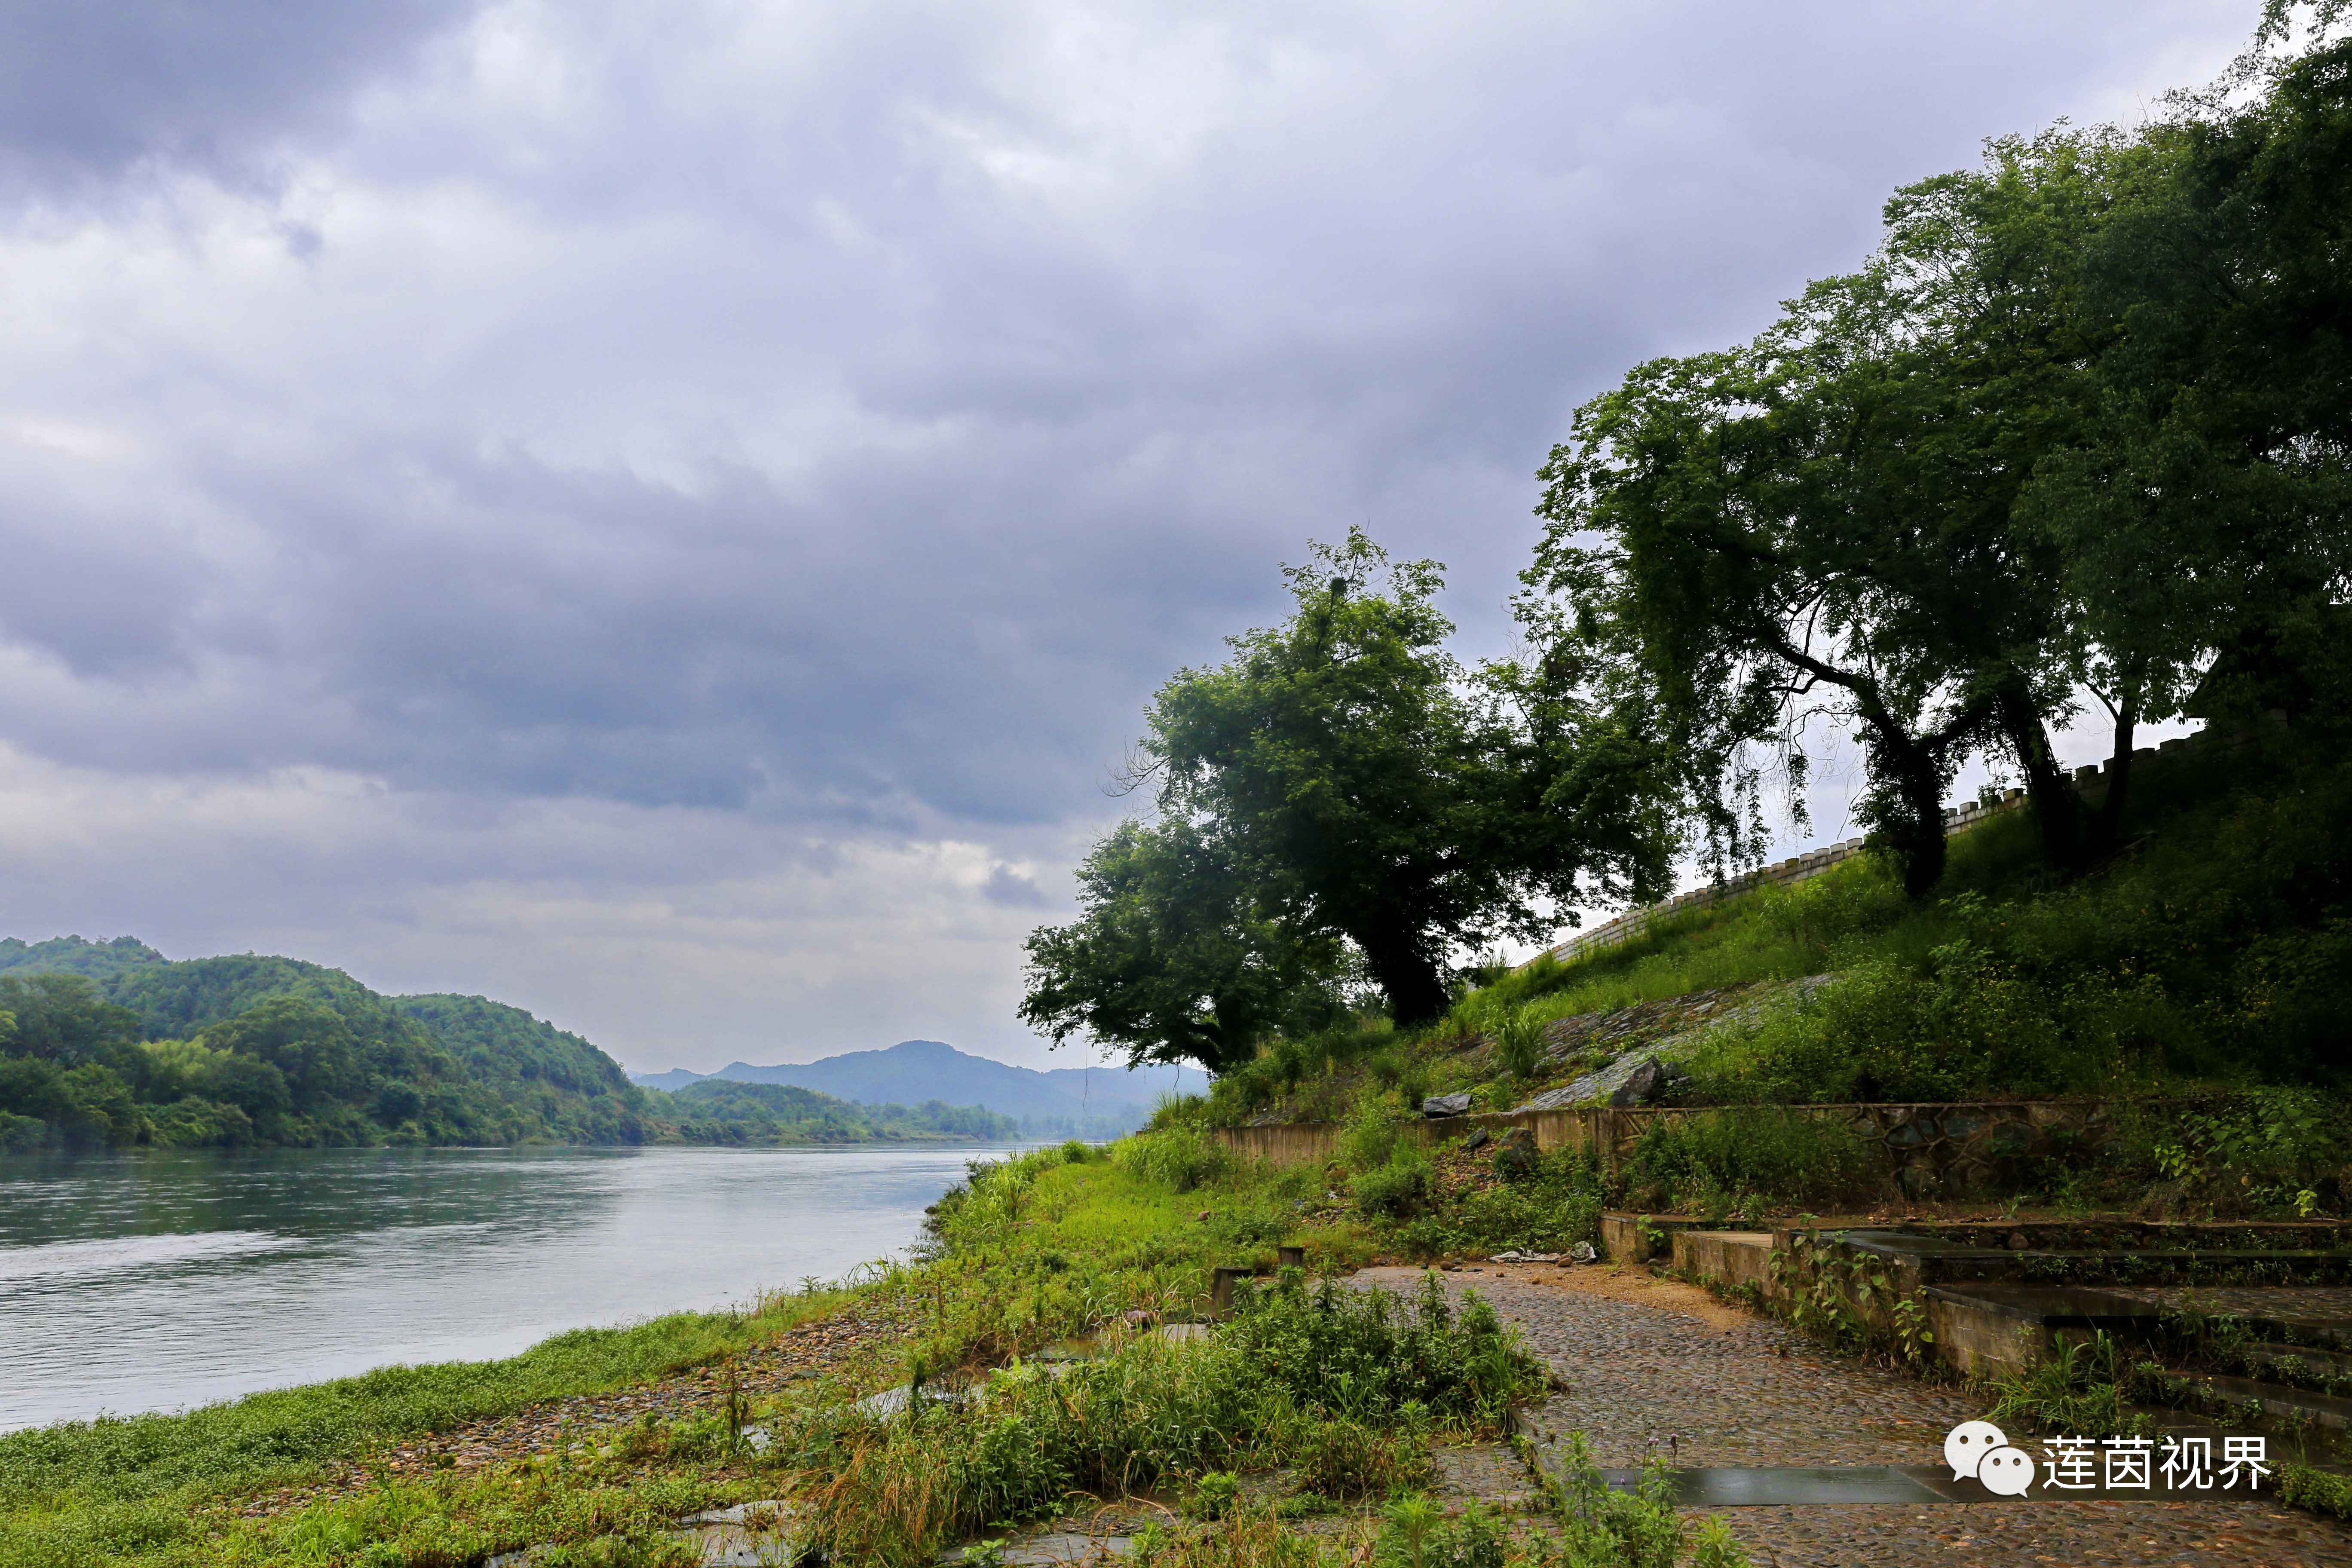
x,y
1342,788
111,1045
2077,432
2079,425
717,1110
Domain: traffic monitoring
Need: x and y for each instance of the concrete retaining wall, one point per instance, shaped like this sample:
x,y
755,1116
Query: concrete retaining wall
x,y
1924,1150
1730,1258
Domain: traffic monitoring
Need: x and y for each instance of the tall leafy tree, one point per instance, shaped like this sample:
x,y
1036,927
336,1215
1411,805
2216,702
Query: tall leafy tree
x,y
1175,956
2206,514
1823,521
1368,787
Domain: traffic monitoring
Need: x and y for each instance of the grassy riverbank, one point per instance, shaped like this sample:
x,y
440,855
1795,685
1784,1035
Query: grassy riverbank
x,y
1044,1248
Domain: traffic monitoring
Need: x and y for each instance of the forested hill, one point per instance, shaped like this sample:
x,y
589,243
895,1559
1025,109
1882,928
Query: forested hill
x,y
112,1043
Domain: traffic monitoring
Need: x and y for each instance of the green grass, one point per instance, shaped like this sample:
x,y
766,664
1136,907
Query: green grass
x,y
131,1488
2212,955
1341,1393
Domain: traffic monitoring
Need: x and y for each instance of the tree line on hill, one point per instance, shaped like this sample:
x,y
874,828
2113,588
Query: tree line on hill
x,y
2080,431
110,1045
717,1110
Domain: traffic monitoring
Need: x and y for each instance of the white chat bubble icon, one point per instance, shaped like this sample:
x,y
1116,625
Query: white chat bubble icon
x,y
1968,1443
2006,1472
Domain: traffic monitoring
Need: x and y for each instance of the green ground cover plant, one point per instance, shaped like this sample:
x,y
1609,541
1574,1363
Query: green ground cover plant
x,y
140,1488
1348,1386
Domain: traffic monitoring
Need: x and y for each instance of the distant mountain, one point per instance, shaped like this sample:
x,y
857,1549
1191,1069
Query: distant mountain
x,y
672,1080
253,1048
914,1072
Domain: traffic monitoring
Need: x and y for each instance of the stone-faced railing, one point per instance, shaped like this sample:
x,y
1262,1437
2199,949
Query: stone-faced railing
x,y
1922,1149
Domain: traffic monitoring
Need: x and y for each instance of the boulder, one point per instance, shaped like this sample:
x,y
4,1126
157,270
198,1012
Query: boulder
x,y
1446,1105
1646,1087
1514,1156
1479,1138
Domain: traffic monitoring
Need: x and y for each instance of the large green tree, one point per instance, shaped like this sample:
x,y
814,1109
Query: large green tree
x,y
2206,514
1175,956
1823,523
1343,778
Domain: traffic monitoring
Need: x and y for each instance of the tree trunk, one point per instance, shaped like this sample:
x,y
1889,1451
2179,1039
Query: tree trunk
x,y
1406,976
2111,810
1920,840
1914,830
2057,809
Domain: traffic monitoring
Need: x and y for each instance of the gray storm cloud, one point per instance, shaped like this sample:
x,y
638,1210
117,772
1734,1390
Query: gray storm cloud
x,y
663,513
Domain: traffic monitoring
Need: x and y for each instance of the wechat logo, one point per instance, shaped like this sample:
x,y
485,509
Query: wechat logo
x,y
1980,1450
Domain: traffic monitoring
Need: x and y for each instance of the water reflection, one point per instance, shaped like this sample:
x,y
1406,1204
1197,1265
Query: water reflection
x,y
160,1281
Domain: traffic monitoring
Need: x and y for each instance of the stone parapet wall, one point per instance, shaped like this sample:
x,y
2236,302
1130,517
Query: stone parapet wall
x,y
1923,1149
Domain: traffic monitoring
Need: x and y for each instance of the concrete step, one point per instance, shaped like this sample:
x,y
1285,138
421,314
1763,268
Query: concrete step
x,y
2281,1403
2323,1363
1920,1259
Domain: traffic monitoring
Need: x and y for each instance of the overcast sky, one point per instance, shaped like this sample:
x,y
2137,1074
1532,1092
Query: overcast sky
x,y
664,513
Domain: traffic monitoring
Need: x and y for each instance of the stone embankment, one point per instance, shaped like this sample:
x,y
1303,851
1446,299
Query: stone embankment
x,y
1920,1150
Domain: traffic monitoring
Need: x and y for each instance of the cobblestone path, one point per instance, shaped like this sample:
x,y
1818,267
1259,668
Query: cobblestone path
x,y
1653,1365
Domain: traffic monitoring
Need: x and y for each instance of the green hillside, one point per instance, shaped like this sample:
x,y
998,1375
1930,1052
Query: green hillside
x,y
111,1045
2194,979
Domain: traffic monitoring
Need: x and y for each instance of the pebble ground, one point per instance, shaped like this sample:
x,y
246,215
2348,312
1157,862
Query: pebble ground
x,y
1656,1366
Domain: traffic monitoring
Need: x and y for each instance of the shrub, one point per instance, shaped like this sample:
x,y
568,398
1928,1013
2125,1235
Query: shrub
x,y
1370,1135
1602,1528
2326,1494
1764,1150
1519,1042
1180,1158
1551,1211
1374,1356
1398,1189
2076,1390
1214,1494
893,1490
1251,1539
1417,1533
1346,1459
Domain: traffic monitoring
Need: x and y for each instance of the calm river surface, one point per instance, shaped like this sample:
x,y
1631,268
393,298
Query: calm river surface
x,y
156,1282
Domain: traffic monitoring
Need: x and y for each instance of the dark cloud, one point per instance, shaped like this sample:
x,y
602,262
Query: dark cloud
x,y
88,90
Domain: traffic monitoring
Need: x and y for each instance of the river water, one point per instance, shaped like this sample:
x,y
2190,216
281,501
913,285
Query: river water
x,y
161,1281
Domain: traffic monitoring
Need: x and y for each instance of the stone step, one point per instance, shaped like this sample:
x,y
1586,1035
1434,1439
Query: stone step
x,y
2325,1363
2281,1403
1920,1259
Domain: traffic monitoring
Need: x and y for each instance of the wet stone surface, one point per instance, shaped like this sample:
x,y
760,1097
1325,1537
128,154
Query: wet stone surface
x,y
1657,1367
2321,1308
